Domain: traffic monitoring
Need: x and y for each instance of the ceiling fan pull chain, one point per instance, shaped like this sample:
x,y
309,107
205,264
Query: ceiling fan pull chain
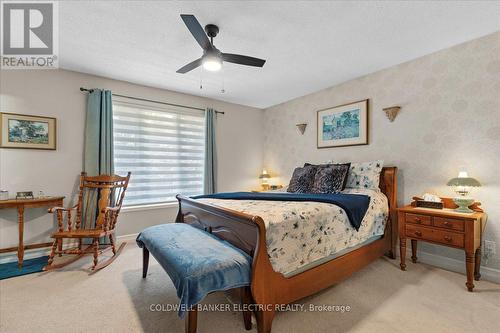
x,y
201,78
223,90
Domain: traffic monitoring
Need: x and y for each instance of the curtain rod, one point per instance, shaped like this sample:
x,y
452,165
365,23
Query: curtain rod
x,y
150,100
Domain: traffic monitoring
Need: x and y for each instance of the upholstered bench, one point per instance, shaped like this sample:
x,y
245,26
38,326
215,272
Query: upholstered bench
x,y
198,263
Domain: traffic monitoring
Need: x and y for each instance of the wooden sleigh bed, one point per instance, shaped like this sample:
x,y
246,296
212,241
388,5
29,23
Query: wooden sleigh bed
x,y
270,288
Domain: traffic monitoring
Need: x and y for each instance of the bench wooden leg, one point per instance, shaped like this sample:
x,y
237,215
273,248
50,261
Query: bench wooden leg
x,y
246,299
145,262
191,320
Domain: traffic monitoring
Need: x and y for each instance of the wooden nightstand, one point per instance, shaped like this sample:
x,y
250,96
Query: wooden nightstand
x,y
444,227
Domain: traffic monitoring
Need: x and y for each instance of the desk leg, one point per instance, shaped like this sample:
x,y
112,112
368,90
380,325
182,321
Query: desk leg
x,y
20,249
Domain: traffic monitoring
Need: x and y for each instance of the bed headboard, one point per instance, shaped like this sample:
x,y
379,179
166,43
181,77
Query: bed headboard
x,y
389,186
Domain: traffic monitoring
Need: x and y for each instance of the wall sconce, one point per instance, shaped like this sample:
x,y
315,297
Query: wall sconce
x,y
302,128
392,112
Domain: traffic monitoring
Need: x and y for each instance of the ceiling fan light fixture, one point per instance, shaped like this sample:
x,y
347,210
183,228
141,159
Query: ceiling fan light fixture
x,y
212,63
212,58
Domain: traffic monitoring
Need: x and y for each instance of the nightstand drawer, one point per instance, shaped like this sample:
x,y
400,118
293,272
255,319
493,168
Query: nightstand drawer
x,y
435,235
418,219
448,223
415,231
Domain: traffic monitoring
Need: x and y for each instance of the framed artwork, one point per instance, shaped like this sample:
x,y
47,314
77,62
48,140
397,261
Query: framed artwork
x,y
29,132
343,125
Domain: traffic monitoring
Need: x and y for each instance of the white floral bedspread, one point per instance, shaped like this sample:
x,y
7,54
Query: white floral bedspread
x,y
299,233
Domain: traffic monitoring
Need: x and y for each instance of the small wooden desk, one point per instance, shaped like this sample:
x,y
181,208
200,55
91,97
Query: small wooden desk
x,y
22,204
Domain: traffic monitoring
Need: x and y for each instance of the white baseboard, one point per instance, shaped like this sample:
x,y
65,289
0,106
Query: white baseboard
x,y
454,265
36,253
126,238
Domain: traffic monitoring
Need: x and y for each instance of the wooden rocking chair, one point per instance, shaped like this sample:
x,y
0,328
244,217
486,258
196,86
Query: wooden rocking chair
x,y
99,203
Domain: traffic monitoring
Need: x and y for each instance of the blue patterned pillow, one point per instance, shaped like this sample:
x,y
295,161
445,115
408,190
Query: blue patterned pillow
x,y
328,164
302,179
330,178
365,175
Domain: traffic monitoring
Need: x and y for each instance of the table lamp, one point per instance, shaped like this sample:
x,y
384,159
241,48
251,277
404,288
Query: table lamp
x,y
462,186
265,179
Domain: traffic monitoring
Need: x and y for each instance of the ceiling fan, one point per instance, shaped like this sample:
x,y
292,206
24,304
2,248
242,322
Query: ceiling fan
x,y
212,58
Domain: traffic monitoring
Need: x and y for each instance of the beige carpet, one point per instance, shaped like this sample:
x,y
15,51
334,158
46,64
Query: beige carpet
x,y
117,299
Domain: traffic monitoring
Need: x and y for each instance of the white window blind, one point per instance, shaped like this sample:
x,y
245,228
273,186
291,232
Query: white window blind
x,y
164,148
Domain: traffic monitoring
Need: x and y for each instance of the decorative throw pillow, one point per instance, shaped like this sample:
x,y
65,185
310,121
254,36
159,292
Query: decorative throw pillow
x,y
330,179
365,175
343,166
302,179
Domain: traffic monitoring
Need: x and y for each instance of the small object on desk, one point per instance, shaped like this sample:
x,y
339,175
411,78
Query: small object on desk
x,y
24,195
444,227
462,185
4,195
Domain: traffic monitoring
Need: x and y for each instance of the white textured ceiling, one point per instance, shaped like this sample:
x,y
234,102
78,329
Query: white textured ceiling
x,y
308,45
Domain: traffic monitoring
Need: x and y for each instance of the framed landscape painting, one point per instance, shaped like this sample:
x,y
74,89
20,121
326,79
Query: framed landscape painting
x,y
23,131
343,125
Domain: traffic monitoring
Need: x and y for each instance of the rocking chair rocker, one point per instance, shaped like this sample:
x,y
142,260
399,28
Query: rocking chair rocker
x,y
99,203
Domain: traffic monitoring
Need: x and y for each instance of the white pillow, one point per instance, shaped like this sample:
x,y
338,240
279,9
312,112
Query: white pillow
x,y
365,175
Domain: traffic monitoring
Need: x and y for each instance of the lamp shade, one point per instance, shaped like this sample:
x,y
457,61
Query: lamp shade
x,y
464,181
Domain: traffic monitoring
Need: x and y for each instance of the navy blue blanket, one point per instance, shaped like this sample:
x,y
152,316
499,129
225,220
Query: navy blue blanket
x,y
355,205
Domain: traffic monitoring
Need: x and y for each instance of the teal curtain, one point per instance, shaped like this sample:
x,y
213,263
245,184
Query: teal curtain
x,y
210,185
98,157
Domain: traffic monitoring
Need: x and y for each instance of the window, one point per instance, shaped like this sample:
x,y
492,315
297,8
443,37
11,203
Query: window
x,y
164,148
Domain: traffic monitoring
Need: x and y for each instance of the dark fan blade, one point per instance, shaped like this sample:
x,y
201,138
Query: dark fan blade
x,y
189,67
196,30
243,60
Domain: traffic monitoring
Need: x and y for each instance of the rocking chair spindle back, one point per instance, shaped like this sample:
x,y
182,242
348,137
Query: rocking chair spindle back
x,y
99,202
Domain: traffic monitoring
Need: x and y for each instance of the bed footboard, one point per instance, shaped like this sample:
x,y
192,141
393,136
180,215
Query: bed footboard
x,y
239,229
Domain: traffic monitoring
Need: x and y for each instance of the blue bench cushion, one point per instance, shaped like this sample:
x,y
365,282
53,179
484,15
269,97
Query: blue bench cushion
x,y
197,262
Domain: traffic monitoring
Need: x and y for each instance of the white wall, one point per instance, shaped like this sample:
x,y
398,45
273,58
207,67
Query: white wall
x,y
450,118
55,93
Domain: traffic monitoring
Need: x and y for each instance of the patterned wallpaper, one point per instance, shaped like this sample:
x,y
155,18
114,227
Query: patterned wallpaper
x,y
449,120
